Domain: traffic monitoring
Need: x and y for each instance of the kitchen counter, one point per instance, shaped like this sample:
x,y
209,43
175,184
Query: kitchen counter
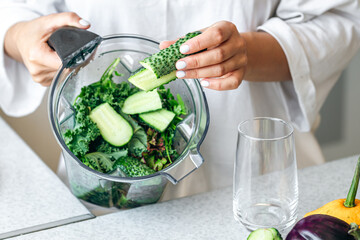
x,y
203,216
32,197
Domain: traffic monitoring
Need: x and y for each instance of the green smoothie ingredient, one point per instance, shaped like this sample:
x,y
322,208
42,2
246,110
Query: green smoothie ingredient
x,y
109,131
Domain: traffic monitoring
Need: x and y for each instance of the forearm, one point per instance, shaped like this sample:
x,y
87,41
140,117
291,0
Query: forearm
x,y
266,59
10,47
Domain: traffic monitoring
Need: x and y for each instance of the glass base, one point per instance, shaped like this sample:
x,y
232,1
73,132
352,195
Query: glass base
x,y
266,215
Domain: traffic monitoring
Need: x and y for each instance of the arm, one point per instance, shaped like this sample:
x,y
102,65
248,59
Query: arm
x,y
19,94
26,42
318,38
231,57
266,59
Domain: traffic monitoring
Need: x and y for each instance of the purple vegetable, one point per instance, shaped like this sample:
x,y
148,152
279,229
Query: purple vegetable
x,y
323,227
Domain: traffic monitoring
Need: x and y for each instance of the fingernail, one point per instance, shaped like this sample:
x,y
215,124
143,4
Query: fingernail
x,y
205,83
184,48
84,23
180,74
180,64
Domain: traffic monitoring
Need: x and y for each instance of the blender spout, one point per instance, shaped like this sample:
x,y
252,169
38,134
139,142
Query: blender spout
x,y
184,168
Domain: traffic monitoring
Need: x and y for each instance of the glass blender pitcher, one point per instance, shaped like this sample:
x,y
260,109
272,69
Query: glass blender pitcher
x,y
85,57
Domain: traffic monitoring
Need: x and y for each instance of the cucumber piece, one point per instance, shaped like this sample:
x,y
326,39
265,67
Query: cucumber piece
x,y
141,102
163,62
146,80
265,234
159,119
113,127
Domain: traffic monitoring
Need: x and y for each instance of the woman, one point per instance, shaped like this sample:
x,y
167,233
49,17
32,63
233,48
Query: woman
x,y
274,58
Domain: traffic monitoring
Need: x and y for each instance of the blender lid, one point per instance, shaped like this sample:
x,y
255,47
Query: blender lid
x,y
73,45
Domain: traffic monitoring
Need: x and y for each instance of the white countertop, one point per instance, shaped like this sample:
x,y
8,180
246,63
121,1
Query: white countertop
x,y
204,216
31,196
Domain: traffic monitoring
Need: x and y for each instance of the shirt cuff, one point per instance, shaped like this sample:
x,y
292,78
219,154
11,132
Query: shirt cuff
x,y
302,84
19,94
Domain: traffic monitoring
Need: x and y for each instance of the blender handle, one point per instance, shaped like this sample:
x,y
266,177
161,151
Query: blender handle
x,y
73,44
174,175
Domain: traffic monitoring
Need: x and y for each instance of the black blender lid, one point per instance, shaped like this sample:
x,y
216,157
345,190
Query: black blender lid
x,y
73,44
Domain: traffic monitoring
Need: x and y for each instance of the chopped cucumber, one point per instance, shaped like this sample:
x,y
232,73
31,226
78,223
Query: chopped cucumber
x,y
113,127
159,119
141,102
265,234
163,62
146,80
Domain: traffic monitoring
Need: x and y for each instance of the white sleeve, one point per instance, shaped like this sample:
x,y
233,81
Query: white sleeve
x,y
319,39
19,94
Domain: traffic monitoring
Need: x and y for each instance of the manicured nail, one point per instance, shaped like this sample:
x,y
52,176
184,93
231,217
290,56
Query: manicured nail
x,y
205,83
184,48
180,74
84,23
180,64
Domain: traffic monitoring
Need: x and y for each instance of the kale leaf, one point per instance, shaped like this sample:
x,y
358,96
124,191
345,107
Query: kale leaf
x,y
147,146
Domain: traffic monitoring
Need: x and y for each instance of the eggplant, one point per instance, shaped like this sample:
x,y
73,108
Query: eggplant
x,y
323,227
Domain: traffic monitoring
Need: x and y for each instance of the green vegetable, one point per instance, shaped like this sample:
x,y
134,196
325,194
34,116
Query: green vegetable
x,y
141,102
147,80
149,146
138,143
114,196
101,162
113,127
163,62
265,234
132,167
159,119
79,139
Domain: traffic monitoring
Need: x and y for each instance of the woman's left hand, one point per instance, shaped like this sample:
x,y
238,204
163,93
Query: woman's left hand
x,y
222,66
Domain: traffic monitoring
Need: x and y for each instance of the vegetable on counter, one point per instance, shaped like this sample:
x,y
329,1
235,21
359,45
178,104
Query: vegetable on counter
x,y
160,68
265,234
346,209
323,227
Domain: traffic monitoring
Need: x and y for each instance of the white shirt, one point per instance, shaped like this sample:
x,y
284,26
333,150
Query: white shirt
x,y
319,38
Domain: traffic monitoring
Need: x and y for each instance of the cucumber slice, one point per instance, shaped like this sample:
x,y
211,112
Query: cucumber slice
x,y
141,102
147,80
163,62
159,119
113,127
265,234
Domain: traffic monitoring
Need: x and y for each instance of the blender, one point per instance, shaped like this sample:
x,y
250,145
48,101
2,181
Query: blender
x,y
85,56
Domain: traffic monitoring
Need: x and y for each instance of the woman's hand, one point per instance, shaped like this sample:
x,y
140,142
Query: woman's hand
x,y
231,57
222,66
26,42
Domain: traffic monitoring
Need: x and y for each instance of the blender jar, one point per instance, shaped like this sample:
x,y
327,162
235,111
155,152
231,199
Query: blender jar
x,y
113,189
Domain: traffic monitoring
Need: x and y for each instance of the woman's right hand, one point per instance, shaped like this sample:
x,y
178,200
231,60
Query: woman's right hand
x,y
26,42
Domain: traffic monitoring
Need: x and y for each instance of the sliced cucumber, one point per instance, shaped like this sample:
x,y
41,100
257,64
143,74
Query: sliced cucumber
x,y
113,127
147,80
141,102
265,234
163,62
159,119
